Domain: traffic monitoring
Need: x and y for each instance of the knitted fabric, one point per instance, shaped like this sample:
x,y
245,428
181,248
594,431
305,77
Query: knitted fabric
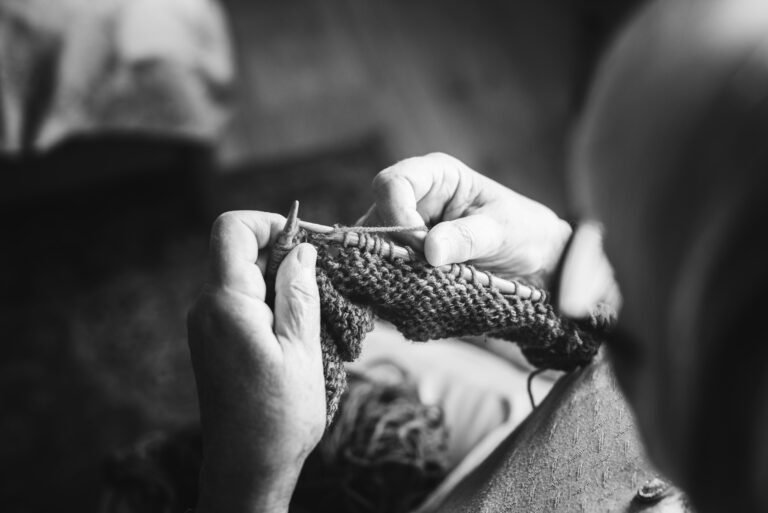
x,y
357,282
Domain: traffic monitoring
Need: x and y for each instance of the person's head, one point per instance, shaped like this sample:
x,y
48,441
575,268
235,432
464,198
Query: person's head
x,y
672,158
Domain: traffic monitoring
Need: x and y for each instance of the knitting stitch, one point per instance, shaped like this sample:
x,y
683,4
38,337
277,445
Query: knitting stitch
x,y
359,281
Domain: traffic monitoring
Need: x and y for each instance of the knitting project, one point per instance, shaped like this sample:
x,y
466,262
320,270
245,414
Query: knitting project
x,y
358,280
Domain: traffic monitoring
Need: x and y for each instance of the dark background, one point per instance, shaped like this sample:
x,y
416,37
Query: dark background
x,y
104,238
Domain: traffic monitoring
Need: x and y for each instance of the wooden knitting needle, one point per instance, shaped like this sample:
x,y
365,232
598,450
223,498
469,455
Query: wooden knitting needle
x,y
463,272
314,227
285,242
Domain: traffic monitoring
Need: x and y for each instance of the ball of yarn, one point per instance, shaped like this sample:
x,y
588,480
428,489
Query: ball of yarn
x,y
384,452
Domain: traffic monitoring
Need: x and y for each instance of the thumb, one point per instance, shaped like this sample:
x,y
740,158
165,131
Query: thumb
x,y
297,302
469,238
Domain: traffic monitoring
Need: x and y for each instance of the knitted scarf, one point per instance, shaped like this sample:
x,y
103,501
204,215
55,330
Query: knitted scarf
x,y
359,281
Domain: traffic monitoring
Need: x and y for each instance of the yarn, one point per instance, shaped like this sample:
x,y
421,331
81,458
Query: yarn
x,y
362,280
384,453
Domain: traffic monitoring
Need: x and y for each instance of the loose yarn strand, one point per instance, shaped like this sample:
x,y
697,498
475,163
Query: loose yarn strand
x,y
379,229
532,375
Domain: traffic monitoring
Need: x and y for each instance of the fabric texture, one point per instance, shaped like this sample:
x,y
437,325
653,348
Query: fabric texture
x,y
579,450
356,282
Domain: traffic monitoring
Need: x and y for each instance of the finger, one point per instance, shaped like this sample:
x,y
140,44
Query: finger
x,y
587,278
468,238
416,190
396,198
236,238
297,301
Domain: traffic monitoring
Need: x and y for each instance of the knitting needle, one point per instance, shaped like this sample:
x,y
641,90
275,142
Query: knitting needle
x,y
285,242
314,227
463,272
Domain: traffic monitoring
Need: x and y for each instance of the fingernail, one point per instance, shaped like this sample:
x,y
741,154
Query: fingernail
x,y
307,255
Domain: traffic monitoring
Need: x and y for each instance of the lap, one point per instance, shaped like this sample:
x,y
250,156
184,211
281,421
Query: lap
x,y
577,451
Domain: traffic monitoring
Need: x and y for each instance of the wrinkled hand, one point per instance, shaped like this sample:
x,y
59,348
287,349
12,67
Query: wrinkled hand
x,y
259,376
473,218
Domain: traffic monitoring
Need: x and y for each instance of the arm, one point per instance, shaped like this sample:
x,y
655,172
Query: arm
x,y
259,373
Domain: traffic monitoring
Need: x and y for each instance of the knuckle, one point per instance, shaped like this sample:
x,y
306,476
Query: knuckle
x,y
303,292
450,170
221,223
302,304
467,238
389,182
225,219
445,160
404,168
382,182
439,155
399,173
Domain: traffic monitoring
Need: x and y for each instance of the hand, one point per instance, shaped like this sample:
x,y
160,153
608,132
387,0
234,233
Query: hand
x,y
473,218
259,377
